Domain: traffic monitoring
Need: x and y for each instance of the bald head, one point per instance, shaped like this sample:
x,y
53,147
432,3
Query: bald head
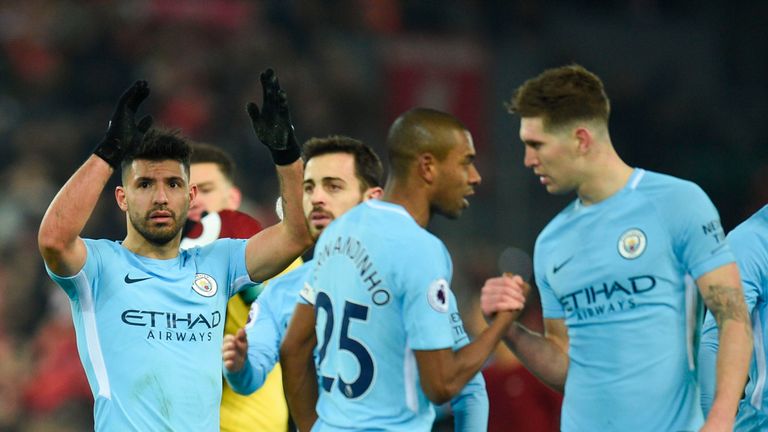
x,y
418,131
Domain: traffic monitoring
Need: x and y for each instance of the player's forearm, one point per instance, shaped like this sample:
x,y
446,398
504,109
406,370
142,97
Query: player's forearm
x,y
722,293
70,210
733,359
272,250
291,180
541,356
443,383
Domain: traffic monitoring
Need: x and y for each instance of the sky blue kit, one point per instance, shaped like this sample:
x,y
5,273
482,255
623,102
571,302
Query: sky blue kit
x,y
149,333
619,273
381,289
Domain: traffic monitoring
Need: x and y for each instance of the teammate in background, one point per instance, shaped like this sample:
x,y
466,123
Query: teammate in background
x,y
147,314
749,242
213,214
339,173
620,320
391,339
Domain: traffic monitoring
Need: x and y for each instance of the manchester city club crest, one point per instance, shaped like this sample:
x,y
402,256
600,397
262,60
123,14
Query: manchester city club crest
x,y
632,243
205,285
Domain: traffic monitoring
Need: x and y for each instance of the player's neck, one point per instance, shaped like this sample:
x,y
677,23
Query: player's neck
x,y
603,180
409,198
137,244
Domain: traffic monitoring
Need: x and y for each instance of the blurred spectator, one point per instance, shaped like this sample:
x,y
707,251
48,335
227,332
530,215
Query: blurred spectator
x,y
56,386
519,401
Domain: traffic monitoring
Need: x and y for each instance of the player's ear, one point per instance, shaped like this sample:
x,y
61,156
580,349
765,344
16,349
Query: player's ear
x,y
234,198
584,139
122,202
373,193
426,167
192,192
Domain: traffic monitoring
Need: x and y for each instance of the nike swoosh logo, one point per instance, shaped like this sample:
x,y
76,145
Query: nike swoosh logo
x,y
717,249
557,268
128,279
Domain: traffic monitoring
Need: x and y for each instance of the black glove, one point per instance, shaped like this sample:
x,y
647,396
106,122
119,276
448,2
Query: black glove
x,y
123,133
273,124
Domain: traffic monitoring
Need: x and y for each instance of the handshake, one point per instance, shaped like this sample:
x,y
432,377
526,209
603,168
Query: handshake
x,y
506,293
272,123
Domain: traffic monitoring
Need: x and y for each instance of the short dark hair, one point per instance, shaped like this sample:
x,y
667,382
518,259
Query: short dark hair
x,y
562,95
417,131
159,145
368,168
206,153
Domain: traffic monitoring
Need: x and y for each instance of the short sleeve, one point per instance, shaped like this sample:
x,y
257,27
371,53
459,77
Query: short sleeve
x,y
426,291
697,235
86,276
240,279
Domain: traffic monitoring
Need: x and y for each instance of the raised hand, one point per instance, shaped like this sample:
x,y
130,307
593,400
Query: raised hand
x,y
273,124
123,133
234,351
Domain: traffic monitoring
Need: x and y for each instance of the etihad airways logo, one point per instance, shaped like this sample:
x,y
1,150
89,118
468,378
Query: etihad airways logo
x,y
174,326
607,297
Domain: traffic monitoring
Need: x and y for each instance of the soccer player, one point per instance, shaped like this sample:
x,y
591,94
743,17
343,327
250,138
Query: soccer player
x,y
749,242
213,214
148,315
620,320
390,338
339,173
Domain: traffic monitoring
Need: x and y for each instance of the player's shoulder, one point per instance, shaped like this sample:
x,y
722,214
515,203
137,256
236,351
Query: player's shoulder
x,y
103,243
383,226
752,231
664,186
390,223
104,246
222,246
675,200
398,221
379,212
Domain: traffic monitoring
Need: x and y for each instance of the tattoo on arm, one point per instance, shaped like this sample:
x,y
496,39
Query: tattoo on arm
x,y
726,303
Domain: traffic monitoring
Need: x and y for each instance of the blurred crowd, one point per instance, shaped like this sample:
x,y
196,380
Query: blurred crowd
x,y
686,81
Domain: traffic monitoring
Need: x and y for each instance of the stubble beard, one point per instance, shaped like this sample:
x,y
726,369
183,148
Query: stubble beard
x,y
158,236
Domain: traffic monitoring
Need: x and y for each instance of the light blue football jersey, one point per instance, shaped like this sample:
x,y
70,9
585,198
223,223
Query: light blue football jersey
x,y
149,333
268,319
381,289
615,271
749,242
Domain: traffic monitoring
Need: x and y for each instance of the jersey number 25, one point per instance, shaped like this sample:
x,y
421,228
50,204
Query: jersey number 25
x,y
352,311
